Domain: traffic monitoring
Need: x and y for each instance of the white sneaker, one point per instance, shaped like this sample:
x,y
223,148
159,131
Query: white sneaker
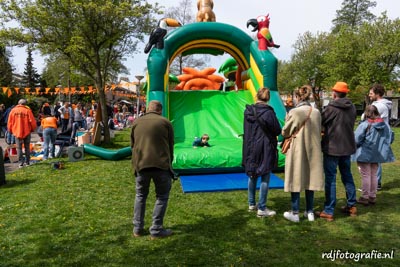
x,y
252,208
309,216
291,216
266,212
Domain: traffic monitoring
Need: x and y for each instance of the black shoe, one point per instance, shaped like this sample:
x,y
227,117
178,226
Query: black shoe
x,y
163,233
379,187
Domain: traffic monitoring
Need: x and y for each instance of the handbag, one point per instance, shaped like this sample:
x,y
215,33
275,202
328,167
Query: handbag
x,y
285,146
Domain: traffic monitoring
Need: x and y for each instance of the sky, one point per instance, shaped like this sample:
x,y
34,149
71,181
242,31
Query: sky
x,y
288,20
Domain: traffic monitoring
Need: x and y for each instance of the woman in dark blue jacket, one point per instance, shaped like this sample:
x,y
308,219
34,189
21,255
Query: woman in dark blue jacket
x,y
261,128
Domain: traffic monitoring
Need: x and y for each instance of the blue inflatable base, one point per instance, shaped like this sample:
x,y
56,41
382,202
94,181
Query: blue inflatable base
x,y
222,182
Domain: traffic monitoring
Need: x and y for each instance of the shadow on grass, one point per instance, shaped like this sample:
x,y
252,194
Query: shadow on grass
x,y
15,183
390,185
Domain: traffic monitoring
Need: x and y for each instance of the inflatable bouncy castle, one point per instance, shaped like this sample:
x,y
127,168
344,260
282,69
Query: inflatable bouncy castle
x,y
219,113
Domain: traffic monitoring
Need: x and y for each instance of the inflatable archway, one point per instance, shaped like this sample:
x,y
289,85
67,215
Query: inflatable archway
x,y
225,108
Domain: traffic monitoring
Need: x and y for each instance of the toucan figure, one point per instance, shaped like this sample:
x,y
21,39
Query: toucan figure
x,y
157,35
264,35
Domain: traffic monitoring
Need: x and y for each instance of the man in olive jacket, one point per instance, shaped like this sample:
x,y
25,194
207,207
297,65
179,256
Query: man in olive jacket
x,y
152,142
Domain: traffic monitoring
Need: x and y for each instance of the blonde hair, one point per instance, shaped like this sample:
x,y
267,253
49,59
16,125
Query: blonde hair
x,y
303,93
263,94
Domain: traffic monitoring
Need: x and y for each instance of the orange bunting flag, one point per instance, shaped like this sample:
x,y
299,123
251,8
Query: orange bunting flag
x,y
113,86
9,93
47,90
90,89
37,90
82,89
73,90
16,89
27,90
57,90
66,90
5,90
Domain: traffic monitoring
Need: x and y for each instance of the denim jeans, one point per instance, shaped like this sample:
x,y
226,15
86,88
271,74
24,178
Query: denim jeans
x,y
379,173
264,186
295,198
49,139
162,181
64,125
26,142
330,168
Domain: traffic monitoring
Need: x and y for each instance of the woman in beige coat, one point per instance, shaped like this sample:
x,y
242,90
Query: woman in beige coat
x,y
303,164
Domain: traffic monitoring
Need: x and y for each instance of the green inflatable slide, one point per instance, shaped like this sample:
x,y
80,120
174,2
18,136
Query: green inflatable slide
x,y
215,112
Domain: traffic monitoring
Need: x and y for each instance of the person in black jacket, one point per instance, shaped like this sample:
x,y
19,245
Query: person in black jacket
x,y
261,128
338,144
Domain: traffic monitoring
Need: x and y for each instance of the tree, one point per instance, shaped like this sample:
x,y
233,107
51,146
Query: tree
x,y
93,35
306,65
183,13
353,14
30,77
365,56
380,54
6,69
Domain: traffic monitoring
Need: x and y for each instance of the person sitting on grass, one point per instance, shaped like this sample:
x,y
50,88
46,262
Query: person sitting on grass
x,y
201,142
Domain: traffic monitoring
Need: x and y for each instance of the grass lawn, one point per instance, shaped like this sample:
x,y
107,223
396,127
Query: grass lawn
x,y
81,216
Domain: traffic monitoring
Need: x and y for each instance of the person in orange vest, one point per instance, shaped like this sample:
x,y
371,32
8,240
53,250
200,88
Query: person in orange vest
x,y
21,123
49,125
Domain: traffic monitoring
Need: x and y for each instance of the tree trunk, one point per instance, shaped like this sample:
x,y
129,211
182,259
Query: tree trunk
x,y
104,115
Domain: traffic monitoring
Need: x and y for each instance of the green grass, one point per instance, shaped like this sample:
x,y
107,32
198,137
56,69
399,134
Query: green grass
x,y
81,216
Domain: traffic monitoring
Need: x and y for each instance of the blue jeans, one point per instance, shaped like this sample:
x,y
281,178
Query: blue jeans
x,y
295,198
64,125
264,186
330,167
49,139
162,181
379,173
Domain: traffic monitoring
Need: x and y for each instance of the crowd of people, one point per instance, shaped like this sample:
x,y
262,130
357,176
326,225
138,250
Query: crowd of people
x,y
324,143
19,121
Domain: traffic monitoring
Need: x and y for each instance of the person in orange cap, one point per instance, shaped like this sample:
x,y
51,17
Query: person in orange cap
x,y
338,144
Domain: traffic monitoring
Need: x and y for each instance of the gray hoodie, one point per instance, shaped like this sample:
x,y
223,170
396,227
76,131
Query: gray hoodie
x,y
384,107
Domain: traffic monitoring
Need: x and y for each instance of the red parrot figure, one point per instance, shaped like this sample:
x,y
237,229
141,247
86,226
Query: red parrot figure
x,y
263,35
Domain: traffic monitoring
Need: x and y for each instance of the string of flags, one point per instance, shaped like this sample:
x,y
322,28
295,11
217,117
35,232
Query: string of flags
x,y
128,86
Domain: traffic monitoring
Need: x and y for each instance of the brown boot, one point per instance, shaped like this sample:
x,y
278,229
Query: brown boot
x,y
324,215
352,211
